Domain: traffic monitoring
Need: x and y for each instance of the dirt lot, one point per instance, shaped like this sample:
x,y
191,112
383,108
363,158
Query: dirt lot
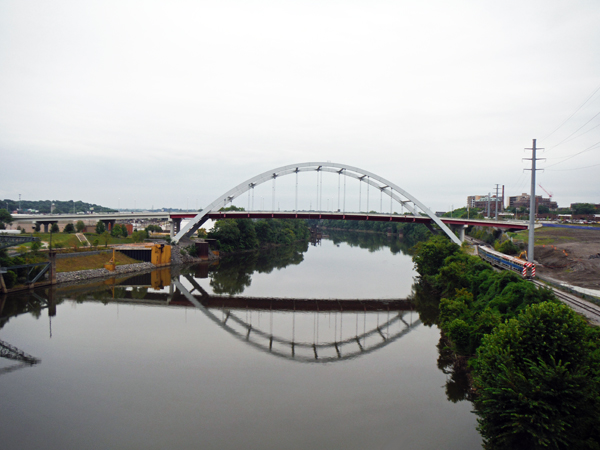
x,y
569,255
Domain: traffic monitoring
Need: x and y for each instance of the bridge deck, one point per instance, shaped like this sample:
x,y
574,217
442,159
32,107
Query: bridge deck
x,y
362,216
513,225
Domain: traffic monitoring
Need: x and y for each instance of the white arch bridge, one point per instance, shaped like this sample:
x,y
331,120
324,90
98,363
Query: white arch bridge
x,y
369,179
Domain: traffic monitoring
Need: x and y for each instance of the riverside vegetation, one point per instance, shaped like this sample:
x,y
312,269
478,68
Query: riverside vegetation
x,y
535,364
234,235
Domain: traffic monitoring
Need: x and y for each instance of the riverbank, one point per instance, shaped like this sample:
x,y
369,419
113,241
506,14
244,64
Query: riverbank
x,y
534,360
179,256
82,275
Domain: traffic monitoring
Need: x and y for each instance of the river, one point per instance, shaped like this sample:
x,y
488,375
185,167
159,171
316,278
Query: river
x,y
311,347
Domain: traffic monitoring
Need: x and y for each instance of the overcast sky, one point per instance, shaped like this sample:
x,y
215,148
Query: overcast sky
x,y
172,103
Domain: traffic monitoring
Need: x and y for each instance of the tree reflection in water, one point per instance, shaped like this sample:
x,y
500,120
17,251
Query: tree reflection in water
x,y
371,241
458,386
233,274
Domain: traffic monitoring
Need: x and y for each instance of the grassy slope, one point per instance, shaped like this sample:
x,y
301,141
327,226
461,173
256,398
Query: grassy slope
x,y
66,240
545,236
87,262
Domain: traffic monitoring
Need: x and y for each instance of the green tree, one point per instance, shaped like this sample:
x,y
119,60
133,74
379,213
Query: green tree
x,y
54,228
80,226
538,377
106,238
227,234
119,230
116,230
69,228
5,218
139,236
430,255
507,247
100,227
543,209
584,208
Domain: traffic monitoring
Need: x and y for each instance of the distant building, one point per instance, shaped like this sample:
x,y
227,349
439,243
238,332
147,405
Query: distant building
x,y
522,201
481,202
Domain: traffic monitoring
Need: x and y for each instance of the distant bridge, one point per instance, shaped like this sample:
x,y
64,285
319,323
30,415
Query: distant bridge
x,y
109,219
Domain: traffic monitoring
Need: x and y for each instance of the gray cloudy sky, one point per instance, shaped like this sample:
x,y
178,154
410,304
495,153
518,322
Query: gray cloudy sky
x,y
170,104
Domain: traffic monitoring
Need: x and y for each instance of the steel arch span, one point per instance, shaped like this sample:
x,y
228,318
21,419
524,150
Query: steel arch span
x,y
392,190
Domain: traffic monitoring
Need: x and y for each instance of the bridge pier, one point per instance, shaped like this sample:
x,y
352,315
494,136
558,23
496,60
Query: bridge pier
x,y
175,225
45,223
460,231
109,224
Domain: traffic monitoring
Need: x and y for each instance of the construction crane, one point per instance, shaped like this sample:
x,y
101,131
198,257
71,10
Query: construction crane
x,y
549,194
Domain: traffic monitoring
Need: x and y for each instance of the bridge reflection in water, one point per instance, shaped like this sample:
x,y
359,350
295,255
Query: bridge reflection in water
x,y
300,330
386,320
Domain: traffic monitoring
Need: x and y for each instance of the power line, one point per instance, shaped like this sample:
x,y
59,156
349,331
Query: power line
x,y
576,168
561,142
573,156
576,111
579,135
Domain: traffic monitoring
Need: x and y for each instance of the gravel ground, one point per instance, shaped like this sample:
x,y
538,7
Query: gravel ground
x,y
573,257
81,275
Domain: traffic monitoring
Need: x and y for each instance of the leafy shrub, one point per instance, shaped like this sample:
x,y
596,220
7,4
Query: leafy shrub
x,y
539,381
139,236
507,247
100,227
10,279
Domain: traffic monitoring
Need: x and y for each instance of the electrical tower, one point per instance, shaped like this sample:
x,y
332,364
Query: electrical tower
x,y
532,208
497,188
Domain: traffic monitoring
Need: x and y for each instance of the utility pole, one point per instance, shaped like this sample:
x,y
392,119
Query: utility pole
x,y
532,209
489,200
496,201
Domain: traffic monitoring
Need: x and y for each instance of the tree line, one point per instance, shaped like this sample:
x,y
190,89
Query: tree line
x,y
60,207
411,232
232,235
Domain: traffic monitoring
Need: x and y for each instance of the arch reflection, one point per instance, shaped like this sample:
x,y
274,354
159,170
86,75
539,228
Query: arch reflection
x,y
331,350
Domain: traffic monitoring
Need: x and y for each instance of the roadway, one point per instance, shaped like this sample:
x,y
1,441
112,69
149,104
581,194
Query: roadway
x,y
458,225
506,224
96,216
32,218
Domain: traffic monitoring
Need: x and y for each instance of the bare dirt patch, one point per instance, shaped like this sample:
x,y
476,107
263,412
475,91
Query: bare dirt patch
x,y
569,255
